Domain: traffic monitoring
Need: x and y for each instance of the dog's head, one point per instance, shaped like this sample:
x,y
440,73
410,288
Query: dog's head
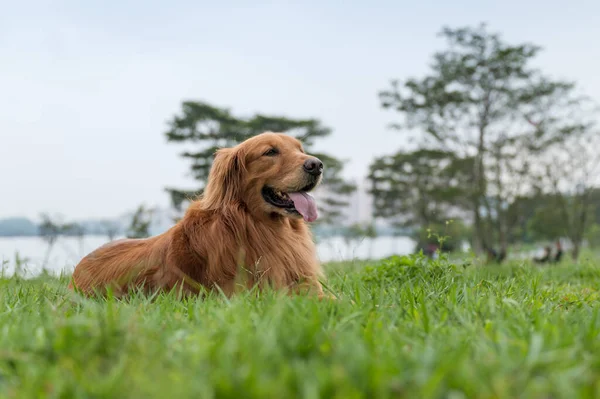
x,y
269,173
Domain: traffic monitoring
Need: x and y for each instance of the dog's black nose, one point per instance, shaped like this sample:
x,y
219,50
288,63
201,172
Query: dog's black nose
x,y
314,166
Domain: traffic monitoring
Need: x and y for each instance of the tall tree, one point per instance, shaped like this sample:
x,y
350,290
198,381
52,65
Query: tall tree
x,y
483,99
547,221
78,231
50,230
519,214
419,188
354,234
422,189
140,223
110,228
569,174
209,128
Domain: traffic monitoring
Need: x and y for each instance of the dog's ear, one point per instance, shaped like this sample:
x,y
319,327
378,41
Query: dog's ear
x,y
225,178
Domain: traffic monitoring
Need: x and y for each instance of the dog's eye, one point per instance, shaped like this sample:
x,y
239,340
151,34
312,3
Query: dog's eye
x,y
271,152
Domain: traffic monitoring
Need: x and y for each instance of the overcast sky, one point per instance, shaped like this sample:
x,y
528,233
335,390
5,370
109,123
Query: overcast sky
x,y
86,87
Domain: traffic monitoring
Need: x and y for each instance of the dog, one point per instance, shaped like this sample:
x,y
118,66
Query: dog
x,y
249,225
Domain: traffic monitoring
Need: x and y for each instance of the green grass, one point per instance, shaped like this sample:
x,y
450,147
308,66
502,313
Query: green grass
x,y
402,328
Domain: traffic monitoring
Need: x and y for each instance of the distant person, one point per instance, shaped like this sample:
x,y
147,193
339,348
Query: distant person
x,y
546,257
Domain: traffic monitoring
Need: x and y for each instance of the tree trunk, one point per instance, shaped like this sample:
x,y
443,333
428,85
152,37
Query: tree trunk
x,y
47,255
479,175
478,196
503,240
501,226
579,226
478,236
576,249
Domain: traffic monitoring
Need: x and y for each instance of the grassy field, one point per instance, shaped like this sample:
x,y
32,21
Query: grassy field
x,y
403,328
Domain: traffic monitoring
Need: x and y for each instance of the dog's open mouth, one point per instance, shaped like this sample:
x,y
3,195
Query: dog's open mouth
x,y
300,202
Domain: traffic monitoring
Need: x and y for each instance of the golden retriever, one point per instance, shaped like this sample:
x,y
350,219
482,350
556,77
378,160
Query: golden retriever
x,y
250,221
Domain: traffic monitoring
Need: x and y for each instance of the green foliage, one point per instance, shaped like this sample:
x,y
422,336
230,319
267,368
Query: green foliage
x,y
482,102
448,236
110,229
519,214
420,187
478,82
369,230
50,229
209,128
352,233
569,179
140,223
548,222
402,328
359,231
592,235
399,270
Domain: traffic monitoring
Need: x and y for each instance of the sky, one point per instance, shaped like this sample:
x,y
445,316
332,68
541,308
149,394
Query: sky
x,y
87,87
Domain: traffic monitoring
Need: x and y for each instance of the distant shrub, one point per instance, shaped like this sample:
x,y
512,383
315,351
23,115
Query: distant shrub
x,y
401,269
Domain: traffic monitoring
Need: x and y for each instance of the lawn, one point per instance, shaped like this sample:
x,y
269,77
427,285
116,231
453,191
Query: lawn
x,y
403,327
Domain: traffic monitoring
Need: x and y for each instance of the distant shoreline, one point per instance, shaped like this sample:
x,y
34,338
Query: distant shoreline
x,y
19,227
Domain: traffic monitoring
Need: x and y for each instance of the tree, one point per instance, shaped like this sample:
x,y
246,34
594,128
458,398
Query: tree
x,y
547,221
110,228
447,236
370,231
50,229
352,236
419,188
140,223
592,235
78,231
483,100
569,175
520,213
356,233
208,128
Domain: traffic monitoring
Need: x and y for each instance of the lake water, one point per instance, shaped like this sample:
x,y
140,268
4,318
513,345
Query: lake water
x,y
67,252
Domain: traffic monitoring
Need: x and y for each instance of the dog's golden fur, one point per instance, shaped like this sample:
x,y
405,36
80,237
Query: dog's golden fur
x,y
230,230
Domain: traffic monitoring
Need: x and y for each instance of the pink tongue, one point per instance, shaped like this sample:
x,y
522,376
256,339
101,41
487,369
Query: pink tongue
x,y
305,204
